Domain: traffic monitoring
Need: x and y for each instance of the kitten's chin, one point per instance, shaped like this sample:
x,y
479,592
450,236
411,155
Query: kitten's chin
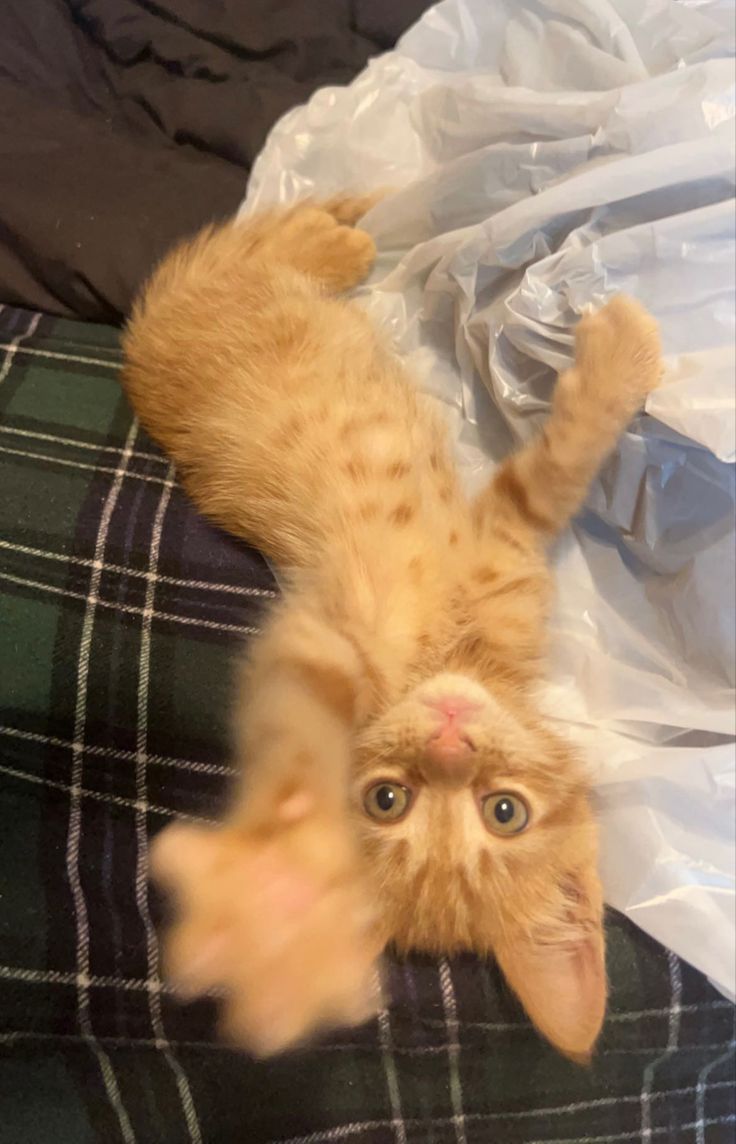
x,y
426,947
437,937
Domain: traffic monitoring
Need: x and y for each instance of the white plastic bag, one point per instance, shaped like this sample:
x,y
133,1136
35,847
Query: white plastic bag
x,y
551,153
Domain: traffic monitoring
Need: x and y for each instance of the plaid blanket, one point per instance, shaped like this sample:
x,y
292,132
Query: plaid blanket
x,y
120,613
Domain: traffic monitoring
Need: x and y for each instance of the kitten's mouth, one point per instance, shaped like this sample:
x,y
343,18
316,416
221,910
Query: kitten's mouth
x,y
448,747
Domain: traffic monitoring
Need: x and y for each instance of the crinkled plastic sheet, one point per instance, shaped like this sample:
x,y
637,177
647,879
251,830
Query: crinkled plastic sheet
x,y
550,153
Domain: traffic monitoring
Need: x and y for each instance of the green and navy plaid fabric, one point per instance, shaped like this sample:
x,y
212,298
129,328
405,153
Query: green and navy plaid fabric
x,y
120,614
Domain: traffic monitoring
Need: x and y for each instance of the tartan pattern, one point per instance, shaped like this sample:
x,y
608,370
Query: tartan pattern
x,y
120,613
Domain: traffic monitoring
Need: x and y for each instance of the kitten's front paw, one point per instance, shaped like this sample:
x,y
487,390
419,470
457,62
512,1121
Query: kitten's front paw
x,y
618,355
277,922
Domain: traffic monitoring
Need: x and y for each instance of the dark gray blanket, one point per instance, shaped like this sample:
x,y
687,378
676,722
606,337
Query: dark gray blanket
x,y
127,124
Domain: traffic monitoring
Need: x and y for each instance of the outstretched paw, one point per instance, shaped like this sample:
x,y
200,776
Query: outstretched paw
x,y
618,355
315,242
277,922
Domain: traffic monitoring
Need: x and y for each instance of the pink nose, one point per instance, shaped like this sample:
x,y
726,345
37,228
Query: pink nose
x,y
450,743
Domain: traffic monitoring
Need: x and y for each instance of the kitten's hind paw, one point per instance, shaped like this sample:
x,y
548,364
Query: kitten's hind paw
x,y
618,355
278,923
313,241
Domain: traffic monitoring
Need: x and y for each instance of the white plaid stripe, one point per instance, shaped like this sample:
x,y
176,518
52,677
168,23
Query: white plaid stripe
x,y
453,1048
345,1131
91,981
74,832
117,753
389,1067
647,1050
140,573
14,346
626,1015
619,1136
13,1035
673,1037
77,792
141,827
130,609
583,1105
348,1130
72,463
77,443
701,1092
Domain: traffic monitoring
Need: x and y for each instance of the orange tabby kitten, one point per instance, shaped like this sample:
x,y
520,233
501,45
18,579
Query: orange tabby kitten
x,y
401,786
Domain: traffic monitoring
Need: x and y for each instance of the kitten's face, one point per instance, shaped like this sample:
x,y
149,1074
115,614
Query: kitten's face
x,y
478,834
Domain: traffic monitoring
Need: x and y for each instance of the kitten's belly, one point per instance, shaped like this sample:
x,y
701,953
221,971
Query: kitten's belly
x,y
325,468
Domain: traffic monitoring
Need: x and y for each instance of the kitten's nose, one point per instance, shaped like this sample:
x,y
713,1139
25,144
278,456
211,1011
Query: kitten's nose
x,y
450,745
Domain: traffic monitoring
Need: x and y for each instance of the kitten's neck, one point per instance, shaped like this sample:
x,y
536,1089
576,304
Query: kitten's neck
x,y
388,596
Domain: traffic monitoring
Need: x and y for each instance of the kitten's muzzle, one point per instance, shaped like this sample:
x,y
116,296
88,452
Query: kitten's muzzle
x,y
450,746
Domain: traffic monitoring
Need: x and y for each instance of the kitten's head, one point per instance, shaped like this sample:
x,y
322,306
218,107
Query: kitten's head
x,y
479,835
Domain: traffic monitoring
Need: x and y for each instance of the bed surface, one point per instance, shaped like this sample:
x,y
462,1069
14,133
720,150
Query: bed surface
x,y
125,125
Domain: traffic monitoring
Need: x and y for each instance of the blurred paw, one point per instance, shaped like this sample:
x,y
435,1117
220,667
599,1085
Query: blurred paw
x,y
276,921
618,355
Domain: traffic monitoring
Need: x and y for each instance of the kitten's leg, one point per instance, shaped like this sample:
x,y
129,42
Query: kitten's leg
x,y
617,363
320,240
271,906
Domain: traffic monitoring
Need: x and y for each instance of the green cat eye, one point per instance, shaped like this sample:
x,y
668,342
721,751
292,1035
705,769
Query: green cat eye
x,y
505,813
387,802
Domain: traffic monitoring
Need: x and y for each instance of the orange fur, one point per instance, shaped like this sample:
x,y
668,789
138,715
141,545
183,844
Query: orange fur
x,y
294,426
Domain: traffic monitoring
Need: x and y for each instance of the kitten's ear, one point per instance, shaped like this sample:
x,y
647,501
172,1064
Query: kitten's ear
x,y
557,970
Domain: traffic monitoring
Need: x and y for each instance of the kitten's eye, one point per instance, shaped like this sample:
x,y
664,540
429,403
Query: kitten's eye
x,y
387,801
505,813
